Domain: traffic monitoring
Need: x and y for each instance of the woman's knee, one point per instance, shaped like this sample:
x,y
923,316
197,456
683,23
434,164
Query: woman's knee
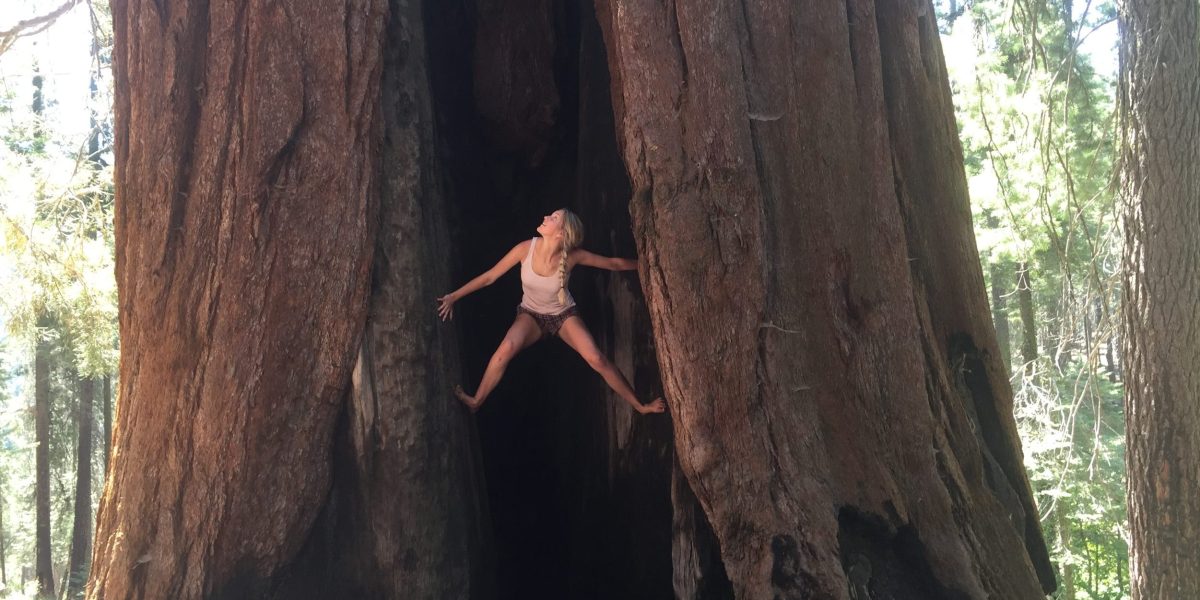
x,y
596,360
507,349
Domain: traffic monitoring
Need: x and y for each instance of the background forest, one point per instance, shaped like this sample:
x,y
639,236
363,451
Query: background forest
x,y
1034,90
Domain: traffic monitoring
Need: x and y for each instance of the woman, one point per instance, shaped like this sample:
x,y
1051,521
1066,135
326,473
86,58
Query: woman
x,y
547,308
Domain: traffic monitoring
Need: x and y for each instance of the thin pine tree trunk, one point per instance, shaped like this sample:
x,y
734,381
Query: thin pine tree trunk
x,y
43,561
1000,311
1160,188
3,547
1064,543
1029,345
81,536
107,409
41,377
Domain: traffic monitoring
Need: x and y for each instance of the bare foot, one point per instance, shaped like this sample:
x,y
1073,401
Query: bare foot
x,y
658,405
466,398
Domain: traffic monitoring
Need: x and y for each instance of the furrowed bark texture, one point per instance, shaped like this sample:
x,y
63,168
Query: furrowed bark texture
x,y
796,172
246,183
405,519
1160,186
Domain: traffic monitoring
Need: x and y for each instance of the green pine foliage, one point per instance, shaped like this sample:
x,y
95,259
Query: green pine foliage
x,y
56,265
1037,124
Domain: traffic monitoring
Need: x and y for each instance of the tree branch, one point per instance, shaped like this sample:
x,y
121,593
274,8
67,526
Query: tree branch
x,y
32,26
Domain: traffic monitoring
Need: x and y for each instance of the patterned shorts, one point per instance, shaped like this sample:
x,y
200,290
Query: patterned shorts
x,y
549,324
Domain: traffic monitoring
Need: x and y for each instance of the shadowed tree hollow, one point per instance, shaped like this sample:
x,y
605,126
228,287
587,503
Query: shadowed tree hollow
x,y
296,184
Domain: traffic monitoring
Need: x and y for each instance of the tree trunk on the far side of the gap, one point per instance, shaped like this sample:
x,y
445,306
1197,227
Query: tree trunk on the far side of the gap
x,y
405,518
41,394
246,145
1029,344
81,532
999,276
841,410
1160,189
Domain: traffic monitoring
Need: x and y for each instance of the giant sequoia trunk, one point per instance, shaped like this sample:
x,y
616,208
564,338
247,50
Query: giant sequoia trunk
x,y
796,171
404,517
246,146
810,301
1160,186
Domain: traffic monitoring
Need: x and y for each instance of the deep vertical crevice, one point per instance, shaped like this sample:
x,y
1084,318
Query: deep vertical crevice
x,y
578,486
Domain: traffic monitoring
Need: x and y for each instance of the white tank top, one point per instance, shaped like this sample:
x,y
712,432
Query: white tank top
x,y
541,293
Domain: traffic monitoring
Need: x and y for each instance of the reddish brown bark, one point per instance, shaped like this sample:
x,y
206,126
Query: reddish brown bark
x,y
405,518
1160,186
796,171
844,422
246,184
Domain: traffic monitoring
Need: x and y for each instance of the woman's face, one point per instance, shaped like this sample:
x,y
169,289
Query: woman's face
x,y
551,225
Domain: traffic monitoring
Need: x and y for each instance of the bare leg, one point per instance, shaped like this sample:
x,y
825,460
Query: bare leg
x,y
576,335
523,333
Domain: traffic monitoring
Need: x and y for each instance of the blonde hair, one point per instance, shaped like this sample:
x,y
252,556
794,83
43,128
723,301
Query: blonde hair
x,y
572,236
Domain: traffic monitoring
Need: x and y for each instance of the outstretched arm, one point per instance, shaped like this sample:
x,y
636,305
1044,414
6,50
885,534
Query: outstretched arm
x,y
446,303
587,259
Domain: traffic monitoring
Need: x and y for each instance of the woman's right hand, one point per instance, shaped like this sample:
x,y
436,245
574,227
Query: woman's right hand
x,y
446,306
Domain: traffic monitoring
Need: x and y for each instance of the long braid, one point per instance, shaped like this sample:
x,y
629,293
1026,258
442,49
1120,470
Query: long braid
x,y
572,229
562,277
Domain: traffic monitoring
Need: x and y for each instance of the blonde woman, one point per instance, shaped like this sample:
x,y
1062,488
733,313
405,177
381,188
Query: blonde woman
x,y
547,308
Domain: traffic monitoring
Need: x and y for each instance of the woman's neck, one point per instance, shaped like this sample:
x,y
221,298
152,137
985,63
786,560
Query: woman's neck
x,y
548,248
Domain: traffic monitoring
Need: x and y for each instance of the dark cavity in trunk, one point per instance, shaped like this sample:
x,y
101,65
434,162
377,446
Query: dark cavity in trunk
x,y
578,486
